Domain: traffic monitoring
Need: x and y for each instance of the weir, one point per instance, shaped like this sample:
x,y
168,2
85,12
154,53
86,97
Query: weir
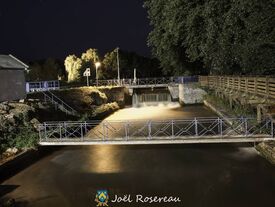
x,y
151,97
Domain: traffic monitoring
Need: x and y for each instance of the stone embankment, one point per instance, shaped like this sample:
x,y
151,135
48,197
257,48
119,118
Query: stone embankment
x,y
267,150
19,120
18,125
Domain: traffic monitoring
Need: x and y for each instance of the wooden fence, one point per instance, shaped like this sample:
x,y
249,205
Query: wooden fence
x,y
261,86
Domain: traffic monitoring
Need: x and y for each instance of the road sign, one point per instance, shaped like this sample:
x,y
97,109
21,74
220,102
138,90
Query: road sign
x,y
87,72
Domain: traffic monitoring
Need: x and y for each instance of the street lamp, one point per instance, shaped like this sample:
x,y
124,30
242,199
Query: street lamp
x,y
97,65
118,72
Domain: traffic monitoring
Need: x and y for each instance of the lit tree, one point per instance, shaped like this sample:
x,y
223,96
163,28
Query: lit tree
x,y
73,65
89,58
91,55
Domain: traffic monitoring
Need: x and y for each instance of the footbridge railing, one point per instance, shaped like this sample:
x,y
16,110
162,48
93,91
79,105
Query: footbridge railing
x,y
42,86
148,81
197,130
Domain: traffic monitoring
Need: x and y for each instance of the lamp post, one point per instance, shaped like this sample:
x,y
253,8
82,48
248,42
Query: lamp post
x,y
97,65
118,72
135,75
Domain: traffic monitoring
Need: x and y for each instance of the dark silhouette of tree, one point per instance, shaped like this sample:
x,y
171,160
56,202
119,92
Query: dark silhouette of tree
x,y
48,69
145,67
224,37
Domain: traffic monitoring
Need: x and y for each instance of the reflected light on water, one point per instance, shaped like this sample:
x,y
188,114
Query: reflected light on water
x,y
107,159
103,159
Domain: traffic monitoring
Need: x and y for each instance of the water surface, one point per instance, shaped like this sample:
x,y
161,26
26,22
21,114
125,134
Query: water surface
x,y
217,175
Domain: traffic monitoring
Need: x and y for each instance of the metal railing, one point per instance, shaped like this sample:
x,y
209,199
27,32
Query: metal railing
x,y
58,103
42,86
146,130
148,81
262,86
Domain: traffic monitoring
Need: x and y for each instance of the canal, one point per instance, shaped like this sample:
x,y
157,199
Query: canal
x,y
216,175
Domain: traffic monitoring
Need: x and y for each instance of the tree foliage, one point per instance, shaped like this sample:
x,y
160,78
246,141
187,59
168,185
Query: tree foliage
x,y
227,36
76,66
128,61
89,58
145,67
73,66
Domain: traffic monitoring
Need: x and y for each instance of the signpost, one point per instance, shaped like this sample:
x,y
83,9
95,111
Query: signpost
x,y
87,73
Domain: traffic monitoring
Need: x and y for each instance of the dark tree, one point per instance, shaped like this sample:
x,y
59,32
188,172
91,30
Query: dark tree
x,y
226,36
145,67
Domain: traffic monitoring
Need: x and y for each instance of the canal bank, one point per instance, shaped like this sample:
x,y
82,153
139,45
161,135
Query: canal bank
x,y
19,120
200,175
265,149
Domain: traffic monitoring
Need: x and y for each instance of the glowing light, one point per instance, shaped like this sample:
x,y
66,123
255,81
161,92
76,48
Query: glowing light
x,y
97,64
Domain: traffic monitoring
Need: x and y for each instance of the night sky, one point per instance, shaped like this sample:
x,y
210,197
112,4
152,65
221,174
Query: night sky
x,y
35,29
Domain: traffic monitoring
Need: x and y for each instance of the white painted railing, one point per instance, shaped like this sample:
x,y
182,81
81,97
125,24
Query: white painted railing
x,y
42,86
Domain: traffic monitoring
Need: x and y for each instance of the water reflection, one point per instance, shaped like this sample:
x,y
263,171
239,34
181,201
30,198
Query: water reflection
x,y
103,159
202,175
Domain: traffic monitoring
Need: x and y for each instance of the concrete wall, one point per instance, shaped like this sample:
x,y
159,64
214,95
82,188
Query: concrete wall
x,y
174,91
190,93
12,85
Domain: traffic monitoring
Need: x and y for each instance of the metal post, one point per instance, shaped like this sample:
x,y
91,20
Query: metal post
x,y
60,131
221,127
135,76
65,129
172,125
245,125
85,125
118,72
88,84
126,126
149,129
96,76
196,126
45,131
81,131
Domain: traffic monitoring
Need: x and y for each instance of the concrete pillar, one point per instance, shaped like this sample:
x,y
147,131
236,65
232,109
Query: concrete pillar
x,y
181,94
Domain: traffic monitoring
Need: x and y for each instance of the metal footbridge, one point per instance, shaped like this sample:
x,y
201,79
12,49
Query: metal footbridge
x,y
148,82
197,130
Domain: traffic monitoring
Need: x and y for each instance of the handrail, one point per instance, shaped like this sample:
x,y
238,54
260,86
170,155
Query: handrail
x,y
54,99
64,103
42,86
156,129
262,86
148,81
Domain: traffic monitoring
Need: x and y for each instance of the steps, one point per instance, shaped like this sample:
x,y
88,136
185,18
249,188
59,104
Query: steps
x,y
58,103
